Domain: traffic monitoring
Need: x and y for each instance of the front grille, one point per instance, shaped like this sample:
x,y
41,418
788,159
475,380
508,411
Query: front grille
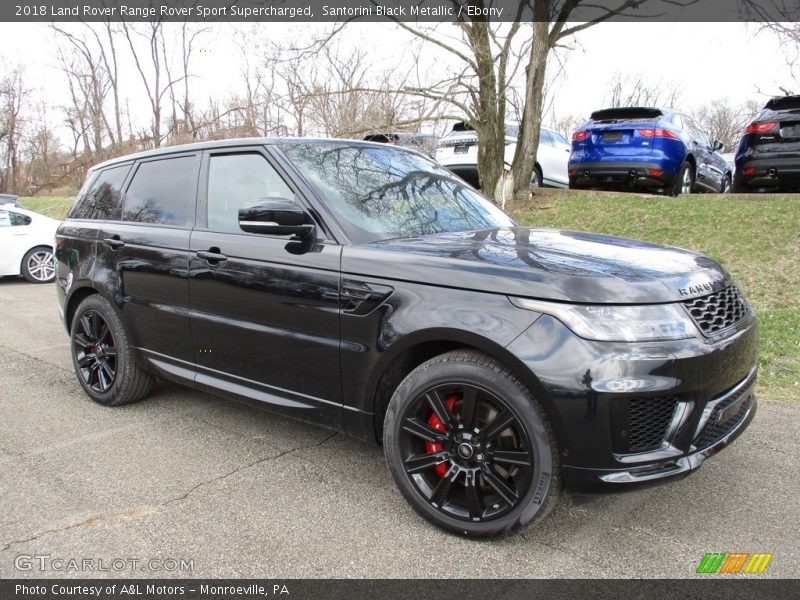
x,y
718,311
648,421
713,431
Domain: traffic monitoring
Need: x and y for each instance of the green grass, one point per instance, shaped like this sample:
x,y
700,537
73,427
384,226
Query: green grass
x,y
757,238
52,206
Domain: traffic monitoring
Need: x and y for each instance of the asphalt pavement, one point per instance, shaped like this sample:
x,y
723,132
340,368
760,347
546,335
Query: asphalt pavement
x,y
233,491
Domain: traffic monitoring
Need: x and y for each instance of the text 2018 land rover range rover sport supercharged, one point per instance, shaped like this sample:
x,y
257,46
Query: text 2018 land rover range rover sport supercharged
x,y
363,287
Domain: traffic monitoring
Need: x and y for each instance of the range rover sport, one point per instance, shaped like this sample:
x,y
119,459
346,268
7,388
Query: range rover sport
x,y
362,287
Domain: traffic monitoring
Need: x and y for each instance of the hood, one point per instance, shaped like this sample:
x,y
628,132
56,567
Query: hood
x,y
545,264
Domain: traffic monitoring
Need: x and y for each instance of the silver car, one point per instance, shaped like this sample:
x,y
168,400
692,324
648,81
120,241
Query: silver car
x,y
458,151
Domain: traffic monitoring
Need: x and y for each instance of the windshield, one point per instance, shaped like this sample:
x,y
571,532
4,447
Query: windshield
x,y
379,193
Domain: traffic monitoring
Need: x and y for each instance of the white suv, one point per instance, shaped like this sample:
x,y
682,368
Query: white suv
x,y
458,151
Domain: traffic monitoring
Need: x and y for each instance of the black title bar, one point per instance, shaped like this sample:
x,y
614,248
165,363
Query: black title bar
x,y
344,589
401,10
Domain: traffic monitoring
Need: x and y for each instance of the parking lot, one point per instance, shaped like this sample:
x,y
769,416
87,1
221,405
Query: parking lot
x,y
244,493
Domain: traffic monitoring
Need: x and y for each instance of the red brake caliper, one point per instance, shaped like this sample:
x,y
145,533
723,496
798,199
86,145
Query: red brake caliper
x,y
433,447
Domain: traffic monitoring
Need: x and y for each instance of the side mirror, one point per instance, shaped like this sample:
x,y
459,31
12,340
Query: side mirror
x,y
718,146
276,216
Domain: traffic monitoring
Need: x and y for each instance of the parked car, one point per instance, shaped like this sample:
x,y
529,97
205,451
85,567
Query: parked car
x,y
655,149
365,288
10,199
458,151
730,158
26,244
768,157
423,142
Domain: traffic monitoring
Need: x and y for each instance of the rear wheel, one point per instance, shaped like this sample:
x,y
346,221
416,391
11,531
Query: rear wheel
x,y
726,185
102,357
739,186
684,182
536,177
470,448
39,265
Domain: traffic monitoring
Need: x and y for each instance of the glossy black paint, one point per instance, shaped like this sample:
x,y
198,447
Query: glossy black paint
x,y
768,159
323,330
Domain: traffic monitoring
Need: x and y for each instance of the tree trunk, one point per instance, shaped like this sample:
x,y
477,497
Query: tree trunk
x,y
528,141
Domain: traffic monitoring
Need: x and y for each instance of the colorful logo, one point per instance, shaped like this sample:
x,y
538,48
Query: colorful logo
x,y
734,562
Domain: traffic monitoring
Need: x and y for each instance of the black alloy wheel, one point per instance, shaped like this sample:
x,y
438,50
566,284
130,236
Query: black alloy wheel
x,y
95,352
471,452
102,357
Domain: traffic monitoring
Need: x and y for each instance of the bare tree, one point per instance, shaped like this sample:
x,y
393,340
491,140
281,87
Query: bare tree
x,y
636,90
154,67
488,58
724,121
13,97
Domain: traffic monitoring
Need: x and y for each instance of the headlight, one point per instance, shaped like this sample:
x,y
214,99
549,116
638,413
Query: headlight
x,y
611,323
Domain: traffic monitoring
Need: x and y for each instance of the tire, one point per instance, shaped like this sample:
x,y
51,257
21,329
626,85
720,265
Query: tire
x,y
102,356
38,265
536,177
684,182
726,185
485,476
739,186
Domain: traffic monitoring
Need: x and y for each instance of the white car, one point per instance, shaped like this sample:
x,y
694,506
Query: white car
x,y
458,151
26,244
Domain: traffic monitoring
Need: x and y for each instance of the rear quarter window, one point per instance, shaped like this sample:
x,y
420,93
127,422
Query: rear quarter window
x,y
163,191
101,196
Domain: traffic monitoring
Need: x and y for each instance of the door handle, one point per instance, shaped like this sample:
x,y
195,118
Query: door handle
x,y
114,242
212,255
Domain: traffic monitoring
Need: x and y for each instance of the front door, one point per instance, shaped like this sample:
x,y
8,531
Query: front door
x,y
265,310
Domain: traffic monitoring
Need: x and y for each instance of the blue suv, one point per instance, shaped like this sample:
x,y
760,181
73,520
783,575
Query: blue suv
x,y
661,150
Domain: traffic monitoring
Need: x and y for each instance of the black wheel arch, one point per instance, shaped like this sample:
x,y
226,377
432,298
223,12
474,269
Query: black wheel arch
x,y
407,354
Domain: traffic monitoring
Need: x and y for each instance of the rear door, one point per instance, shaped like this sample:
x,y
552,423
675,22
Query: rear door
x,y
265,309
553,157
709,173
143,259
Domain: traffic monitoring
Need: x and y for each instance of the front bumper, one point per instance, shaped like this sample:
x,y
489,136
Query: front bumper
x,y
628,415
660,469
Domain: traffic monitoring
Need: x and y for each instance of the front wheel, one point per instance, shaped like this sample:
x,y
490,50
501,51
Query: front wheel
x,y
470,448
102,356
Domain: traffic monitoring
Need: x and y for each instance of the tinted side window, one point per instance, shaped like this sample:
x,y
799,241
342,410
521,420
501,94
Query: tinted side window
x,y
18,220
163,191
103,197
236,181
699,133
5,219
545,137
558,138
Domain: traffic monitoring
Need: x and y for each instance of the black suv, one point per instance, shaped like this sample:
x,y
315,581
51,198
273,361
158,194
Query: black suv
x,y
365,288
768,158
